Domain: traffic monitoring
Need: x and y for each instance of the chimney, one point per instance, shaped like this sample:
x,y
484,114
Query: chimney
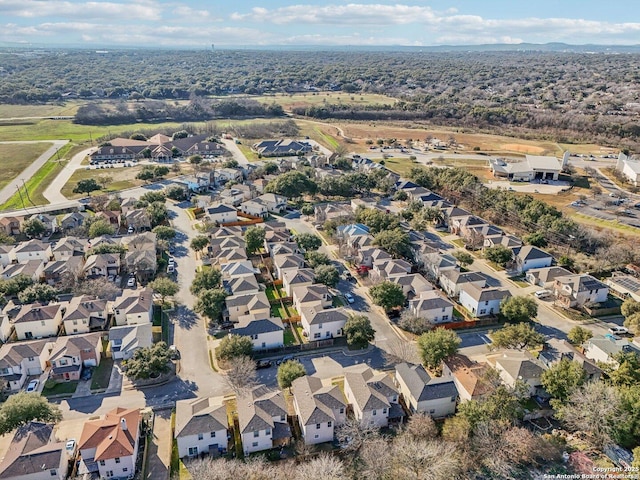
x,y
123,424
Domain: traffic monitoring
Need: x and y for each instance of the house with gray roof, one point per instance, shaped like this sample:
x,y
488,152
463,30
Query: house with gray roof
x,y
283,262
201,426
546,276
452,281
31,268
282,248
85,314
70,353
125,340
312,295
30,250
509,241
292,278
604,349
238,269
578,290
262,419
372,395
517,366
531,168
21,359
424,394
437,263
133,307
412,285
102,265
244,285
528,257
239,305
432,306
266,332
56,271
282,148
319,409
73,220
555,350
67,247
319,324
222,214
38,321
482,302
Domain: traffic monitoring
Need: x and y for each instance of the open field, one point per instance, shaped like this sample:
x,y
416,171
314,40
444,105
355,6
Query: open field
x,y
15,157
45,110
323,133
290,101
123,177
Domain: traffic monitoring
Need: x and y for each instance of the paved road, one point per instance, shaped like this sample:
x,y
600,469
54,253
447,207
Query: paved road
x,y
10,189
236,153
53,192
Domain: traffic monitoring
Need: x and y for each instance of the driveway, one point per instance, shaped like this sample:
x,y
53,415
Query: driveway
x,y
52,192
160,447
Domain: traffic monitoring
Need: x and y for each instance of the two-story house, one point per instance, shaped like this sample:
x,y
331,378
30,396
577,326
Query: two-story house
x,y
424,394
102,265
312,295
265,332
432,306
239,305
372,395
285,262
126,339
575,291
59,270
201,426
71,353
133,307
518,366
22,359
482,302
412,285
453,280
528,257
67,247
85,314
30,250
38,321
467,375
262,419
292,278
319,324
222,214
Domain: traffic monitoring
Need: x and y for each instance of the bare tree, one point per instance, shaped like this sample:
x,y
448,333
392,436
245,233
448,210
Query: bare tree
x,y
401,351
421,427
241,374
425,459
352,435
375,460
324,466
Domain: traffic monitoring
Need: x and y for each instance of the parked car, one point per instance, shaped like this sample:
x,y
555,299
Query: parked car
x,y
174,353
263,363
33,385
131,282
70,447
87,373
171,268
286,358
542,293
130,229
226,325
349,298
111,278
619,330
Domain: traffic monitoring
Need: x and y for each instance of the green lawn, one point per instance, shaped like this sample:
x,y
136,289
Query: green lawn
x,y
60,389
102,374
247,152
400,165
15,157
289,338
272,293
298,328
279,311
121,178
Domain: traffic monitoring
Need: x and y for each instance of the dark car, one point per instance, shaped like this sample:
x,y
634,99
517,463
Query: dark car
x,y
226,325
87,373
263,363
286,358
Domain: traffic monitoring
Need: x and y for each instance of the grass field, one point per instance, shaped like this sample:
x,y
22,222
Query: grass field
x,y
121,178
15,157
289,101
247,152
49,109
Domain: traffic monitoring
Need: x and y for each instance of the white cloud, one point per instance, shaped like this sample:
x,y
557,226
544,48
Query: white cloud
x,y
145,10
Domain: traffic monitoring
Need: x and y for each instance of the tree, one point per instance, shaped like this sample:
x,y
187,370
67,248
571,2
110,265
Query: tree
x,y
148,362
195,160
308,209
536,239
206,279
288,371
100,227
33,227
578,335
631,311
315,258
21,408
292,184
464,258
359,331
254,239
395,242
104,180
151,197
230,163
414,324
39,292
176,193
421,426
327,275
562,378
199,243
519,309
233,346
376,220
157,212
388,295
114,205
401,195
210,302
165,287
240,374
498,254
436,345
99,287
308,241
520,336
164,233
87,186
628,371
15,285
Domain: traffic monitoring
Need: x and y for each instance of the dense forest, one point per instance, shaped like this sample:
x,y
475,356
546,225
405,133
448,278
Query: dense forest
x,y
577,96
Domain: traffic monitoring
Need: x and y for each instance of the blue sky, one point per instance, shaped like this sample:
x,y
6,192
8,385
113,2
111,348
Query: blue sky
x,y
199,23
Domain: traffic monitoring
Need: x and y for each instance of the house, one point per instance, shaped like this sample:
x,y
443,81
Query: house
x,y
370,256
222,214
467,375
67,247
282,248
283,262
432,306
38,321
282,148
128,204
625,285
482,302
391,269
372,395
224,175
332,211
72,220
529,257
311,295
546,276
85,314
201,426
576,291
30,250
133,307
70,354
274,203
125,340
509,241
319,324
423,394
22,359
351,230
141,241
412,285
35,454
239,305
32,269
143,263
138,219
59,270
437,264
554,350
292,278
244,285
102,265
266,332
319,409
241,268
262,419
5,259
518,366
452,281
109,446
49,221
10,225
255,208
111,217
533,167
228,255
605,349
630,168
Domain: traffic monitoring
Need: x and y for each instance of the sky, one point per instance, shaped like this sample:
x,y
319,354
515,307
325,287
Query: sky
x,y
201,23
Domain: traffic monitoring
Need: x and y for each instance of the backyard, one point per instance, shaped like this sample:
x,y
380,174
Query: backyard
x,y
102,374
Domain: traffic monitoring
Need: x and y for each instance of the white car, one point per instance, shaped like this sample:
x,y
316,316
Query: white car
x,y
70,447
349,297
619,330
131,282
542,293
33,385
171,268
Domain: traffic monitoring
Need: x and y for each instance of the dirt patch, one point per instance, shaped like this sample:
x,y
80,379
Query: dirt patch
x,y
519,147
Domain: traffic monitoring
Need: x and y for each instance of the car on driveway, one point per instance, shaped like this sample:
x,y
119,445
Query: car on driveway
x,y
263,364
131,282
70,447
349,298
33,385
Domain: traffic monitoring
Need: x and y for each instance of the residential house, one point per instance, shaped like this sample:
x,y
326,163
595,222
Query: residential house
x,y
274,203
229,255
546,276
222,214
282,248
436,264
282,148
372,395
283,262
554,350
133,307
424,394
531,168
518,366
201,427
30,250
509,241
109,446
38,321
125,340
142,263
319,324
138,219
576,291
102,265
332,211
311,295
351,230
57,271
72,220
482,302
452,281
625,285
85,314
262,419
224,175
5,258
255,208
22,359
292,278
49,221
128,204
141,241
277,235
467,375
605,349
239,305
113,218
244,285
370,256
529,257
67,247
266,333
33,269
242,268
35,454
10,225
70,354
391,269
432,306
319,409
412,285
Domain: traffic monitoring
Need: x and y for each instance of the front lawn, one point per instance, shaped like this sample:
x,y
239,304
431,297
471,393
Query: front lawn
x,y
62,388
102,374
337,302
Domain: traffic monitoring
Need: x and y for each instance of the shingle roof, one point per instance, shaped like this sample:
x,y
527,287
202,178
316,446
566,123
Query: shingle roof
x,y
529,252
429,300
315,315
257,408
73,345
485,294
32,451
200,415
370,389
134,301
36,313
251,300
108,435
302,275
85,306
316,403
255,326
12,354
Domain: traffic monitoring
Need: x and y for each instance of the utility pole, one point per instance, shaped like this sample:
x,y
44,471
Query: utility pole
x,y
26,191
21,199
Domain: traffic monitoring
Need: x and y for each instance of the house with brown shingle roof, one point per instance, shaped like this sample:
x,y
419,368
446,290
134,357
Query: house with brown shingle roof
x,y
71,353
38,321
372,395
133,307
84,314
201,426
262,418
468,376
109,446
21,359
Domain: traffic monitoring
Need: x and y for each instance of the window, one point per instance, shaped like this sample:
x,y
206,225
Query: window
x,y
53,472
108,473
43,323
316,436
282,418
193,451
374,413
213,434
432,411
341,409
486,302
75,322
117,459
445,317
317,426
31,359
254,444
267,431
316,335
443,308
102,463
483,311
256,434
384,410
320,326
329,424
200,436
453,399
125,469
